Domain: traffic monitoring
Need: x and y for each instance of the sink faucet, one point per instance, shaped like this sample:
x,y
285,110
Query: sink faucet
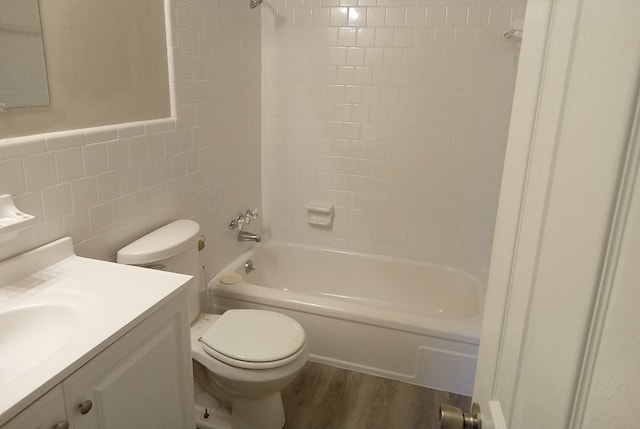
x,y
248,236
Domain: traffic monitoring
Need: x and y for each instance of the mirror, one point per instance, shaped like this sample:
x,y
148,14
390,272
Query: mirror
x,y
23,78
106,64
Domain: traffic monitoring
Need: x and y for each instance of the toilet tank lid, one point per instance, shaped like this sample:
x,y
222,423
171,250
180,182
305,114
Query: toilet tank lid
x,y
162,243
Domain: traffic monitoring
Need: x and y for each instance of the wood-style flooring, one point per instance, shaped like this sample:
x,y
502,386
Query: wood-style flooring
x,y
324,397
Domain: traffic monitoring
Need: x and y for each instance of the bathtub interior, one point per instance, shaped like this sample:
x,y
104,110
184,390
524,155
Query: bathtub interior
x,y
420,288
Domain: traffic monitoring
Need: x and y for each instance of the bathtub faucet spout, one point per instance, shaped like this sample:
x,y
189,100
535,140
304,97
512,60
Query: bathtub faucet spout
x,y
248,236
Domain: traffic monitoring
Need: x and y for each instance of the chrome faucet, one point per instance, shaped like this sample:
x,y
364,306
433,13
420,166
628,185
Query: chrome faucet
x,y
242,219
248,236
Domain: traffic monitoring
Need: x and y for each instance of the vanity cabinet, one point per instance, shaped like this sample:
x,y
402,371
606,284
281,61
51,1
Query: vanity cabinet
x,y
46,413
142,380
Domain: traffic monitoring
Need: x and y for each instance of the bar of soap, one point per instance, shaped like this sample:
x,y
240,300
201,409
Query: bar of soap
x,y
230,278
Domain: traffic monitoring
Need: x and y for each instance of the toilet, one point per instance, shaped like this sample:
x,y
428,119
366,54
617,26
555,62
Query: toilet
x,y
249,355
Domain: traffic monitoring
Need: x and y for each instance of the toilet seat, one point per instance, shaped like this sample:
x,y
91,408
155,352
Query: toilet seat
x,y
254,339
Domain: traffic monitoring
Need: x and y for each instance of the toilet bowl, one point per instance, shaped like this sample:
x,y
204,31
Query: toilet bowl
x,y
232,348
249,355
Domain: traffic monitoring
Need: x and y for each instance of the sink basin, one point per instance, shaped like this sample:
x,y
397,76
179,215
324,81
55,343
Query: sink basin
x,y
31,334
59,310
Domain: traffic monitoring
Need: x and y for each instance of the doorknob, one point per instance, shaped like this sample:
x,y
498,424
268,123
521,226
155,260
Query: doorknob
x,y
454,418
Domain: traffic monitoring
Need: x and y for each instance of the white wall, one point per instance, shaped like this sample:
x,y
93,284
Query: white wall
x,y
395,111
107,186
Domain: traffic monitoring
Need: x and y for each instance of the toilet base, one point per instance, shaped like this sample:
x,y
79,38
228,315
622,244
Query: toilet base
x,y
258,413
245,413
207,418
209,413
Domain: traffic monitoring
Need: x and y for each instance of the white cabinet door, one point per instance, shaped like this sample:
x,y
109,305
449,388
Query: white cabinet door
x,y
46,413
141,381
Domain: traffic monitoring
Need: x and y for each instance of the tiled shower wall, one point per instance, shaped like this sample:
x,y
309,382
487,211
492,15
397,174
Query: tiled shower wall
x,y
107,186
394,111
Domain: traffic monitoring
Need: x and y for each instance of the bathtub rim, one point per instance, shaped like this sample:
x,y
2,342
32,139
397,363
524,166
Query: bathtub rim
x,y
465,330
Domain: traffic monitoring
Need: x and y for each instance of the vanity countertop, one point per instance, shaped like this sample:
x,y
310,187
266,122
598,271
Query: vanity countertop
x,y
59,310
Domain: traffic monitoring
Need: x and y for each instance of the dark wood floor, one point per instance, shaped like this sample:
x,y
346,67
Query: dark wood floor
x,y
324,397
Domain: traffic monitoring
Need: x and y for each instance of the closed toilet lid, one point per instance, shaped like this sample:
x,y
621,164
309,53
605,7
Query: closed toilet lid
x,y
253,336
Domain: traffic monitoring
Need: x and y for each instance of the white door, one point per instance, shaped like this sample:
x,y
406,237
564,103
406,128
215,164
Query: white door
x,y
560,345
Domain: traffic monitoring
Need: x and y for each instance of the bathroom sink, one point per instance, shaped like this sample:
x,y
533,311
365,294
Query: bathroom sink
x,y
31,334
59,310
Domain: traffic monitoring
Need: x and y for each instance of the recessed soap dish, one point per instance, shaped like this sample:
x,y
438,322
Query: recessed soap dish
x,y
320,213
12,220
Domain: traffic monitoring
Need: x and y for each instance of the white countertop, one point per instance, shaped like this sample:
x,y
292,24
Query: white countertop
x,y
100,302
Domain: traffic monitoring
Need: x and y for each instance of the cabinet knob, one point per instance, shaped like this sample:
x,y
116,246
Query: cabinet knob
x,y
62,425
85,406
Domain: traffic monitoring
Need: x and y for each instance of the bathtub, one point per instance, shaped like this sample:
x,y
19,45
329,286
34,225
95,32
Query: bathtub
x,y
408,321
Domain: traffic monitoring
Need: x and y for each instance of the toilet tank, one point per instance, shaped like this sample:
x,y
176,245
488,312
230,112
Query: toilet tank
x,y
173,247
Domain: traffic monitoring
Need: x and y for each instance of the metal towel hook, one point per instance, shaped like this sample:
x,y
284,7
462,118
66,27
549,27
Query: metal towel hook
x,y
511,33
515,32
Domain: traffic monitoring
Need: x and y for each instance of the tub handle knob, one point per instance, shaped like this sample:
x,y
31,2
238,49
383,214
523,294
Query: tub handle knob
x,y
243,218
248,266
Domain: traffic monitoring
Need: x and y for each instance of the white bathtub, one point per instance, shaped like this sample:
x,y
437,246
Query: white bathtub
x,y
404,320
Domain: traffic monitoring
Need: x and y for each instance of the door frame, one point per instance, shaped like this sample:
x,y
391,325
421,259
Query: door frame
x,y
546,272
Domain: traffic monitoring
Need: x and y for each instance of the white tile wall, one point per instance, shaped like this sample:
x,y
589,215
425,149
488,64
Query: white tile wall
x,y
395,111
107,186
